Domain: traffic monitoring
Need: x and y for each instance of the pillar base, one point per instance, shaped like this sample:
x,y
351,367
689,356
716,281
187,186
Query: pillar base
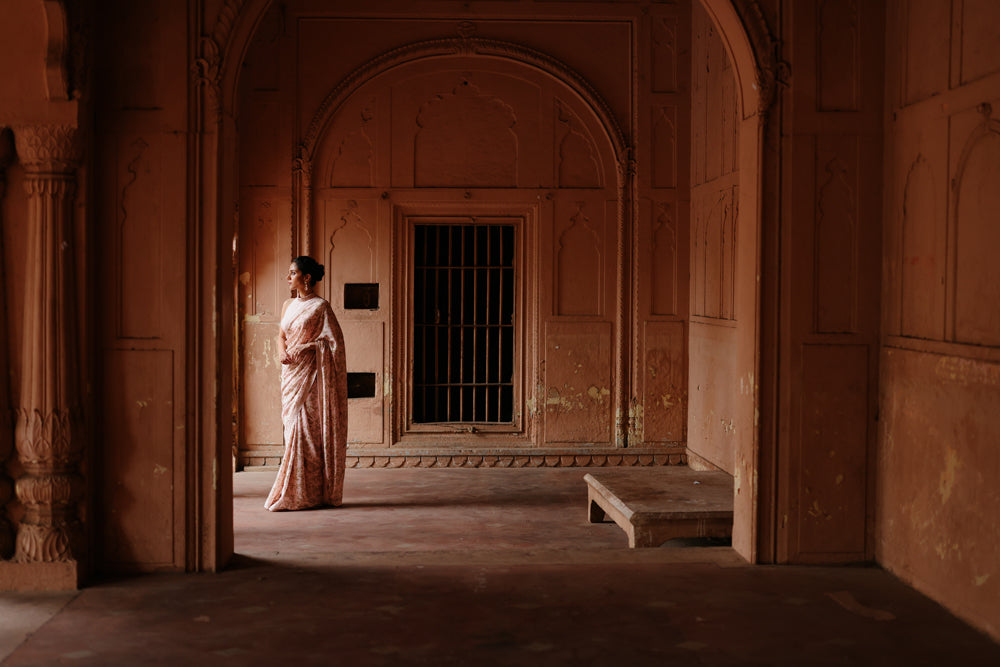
x,y
61,576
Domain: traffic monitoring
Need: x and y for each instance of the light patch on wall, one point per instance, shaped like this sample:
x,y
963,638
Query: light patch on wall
x,y
979,581
598,394
948,475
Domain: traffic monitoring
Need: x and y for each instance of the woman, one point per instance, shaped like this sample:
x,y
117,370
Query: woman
x,y
313,396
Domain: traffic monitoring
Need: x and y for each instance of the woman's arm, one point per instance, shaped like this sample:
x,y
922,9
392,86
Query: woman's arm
x,y
282,345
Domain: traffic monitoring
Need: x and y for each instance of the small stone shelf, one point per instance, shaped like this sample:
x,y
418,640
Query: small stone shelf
x,y
653,505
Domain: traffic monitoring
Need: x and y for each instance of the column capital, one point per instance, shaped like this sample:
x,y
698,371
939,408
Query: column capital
x,y
48,148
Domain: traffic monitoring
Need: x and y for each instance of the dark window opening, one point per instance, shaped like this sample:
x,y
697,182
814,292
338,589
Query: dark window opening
x,y
360,385
463,333
360,296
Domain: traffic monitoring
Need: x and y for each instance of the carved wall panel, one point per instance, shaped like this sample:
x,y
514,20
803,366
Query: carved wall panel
x,y
579,259
465,138
349,245
713,248
980,47
938,382
577,382
716,65
700,209
837,76
139,459
354,159
663,260
713,261
833,451
977,272
665,53
727,272
139,243
927,50
836,235
664,383
365,342
268,250
579,165
714,173
699,118
664,147
922,267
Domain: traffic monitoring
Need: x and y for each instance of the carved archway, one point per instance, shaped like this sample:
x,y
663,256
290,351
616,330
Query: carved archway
x,y
224,45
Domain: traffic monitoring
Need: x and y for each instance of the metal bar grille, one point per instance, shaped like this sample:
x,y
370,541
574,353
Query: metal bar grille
x,y
463,329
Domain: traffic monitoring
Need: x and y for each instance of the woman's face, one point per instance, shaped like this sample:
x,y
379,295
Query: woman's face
x,y
296,280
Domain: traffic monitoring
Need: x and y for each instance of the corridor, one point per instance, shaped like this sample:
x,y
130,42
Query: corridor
x,y
480,567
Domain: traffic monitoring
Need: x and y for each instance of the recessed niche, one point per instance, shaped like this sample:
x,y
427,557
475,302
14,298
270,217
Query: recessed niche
x,y
360,385
360,296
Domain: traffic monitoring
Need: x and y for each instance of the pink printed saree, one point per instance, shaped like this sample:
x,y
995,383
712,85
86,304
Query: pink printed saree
x,y
313,409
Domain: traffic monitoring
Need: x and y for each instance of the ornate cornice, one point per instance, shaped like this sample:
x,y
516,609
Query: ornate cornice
x,y
455,47
48,148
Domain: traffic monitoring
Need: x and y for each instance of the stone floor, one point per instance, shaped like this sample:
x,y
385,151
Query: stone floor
x,y
480,567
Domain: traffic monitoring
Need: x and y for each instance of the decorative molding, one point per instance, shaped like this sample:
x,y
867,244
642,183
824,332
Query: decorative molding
x,y
228,15
674,456
207,73
771,71
518,461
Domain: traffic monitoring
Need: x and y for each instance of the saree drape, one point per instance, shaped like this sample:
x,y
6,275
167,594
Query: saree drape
x,y
313,409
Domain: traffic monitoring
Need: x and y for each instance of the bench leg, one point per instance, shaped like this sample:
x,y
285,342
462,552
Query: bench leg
x,y
595,513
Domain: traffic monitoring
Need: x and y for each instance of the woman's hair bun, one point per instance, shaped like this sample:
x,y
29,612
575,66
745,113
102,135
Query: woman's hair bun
x,y
309,266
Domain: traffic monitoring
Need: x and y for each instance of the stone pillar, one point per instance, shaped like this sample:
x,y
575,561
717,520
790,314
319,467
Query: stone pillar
x,y
6,422
48,433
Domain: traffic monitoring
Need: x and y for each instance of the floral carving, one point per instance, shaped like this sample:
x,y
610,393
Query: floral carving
x,y
45,544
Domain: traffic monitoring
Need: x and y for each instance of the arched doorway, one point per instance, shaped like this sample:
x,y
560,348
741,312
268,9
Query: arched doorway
x,y
749,85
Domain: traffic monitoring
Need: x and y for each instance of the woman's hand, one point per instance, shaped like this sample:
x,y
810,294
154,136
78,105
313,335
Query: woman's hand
x,y
294,354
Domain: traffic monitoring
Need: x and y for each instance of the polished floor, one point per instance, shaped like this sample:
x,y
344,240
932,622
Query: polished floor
x,y
480,567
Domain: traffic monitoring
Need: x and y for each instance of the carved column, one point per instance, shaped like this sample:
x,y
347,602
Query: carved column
x,y
6,422
47,434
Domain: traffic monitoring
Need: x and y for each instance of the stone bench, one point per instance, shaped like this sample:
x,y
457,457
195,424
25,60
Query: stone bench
x,y
653,505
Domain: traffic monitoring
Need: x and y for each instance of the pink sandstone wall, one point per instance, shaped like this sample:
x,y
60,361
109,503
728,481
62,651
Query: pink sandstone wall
x,y
938,498
377,165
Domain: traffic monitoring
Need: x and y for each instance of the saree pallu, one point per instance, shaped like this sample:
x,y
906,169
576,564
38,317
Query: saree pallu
x,y
313,409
